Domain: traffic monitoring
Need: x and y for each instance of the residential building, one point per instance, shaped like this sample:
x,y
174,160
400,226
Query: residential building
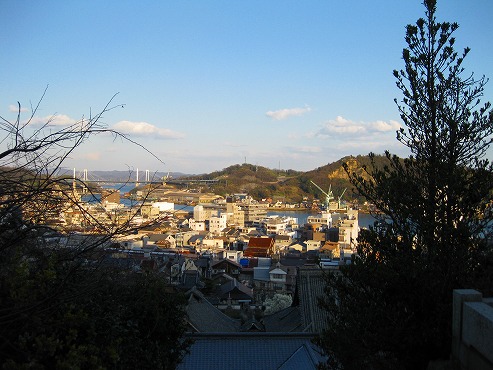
x,y
226,266
196,225
278,278
164,206
110,196
233,255
217,223
259,247
313,245
254,213
236,216
322,219
212,243
281,242
348,230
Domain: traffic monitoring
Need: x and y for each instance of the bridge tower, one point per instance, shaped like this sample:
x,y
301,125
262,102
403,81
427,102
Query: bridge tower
x,y
74,184
84,181
137,179
74,187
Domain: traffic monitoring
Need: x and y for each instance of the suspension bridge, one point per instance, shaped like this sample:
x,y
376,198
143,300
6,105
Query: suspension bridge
x,y
148,177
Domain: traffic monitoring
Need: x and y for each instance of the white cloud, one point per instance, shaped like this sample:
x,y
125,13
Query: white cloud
x,y
282,114
341,126
383,126
55,120
146,129
15,108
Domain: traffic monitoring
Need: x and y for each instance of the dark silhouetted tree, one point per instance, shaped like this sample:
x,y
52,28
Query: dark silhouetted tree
x,y
392,307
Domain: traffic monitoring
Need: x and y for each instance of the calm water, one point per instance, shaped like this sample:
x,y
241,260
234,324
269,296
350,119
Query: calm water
x,y
364,220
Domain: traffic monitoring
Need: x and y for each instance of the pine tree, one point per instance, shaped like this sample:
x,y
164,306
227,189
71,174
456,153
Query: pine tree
x,y
391,308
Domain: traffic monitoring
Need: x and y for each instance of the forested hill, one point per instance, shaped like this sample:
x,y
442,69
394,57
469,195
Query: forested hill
x,y
288,185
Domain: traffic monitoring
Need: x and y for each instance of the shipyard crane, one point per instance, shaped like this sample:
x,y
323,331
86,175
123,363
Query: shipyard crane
x,y
328,195
340,197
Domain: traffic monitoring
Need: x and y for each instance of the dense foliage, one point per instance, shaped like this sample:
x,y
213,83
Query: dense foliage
x,y
59,313
392,307
289,186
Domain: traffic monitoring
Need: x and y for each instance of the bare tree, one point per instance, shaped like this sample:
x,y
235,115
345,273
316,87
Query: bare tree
x,y
44,270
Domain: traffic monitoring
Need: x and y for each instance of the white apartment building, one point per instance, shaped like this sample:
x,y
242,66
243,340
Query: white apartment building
x,y
324,218
164,206
348,230
201,213
218,223
280,225
196,225
212,244
233,255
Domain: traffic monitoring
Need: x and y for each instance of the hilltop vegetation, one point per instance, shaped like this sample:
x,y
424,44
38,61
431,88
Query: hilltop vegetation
x,y
289,185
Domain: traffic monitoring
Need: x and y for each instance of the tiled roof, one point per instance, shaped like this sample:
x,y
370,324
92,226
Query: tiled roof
x,y
226,261
311,286
158,237
260,242
261,273
287,320
292,261
278,271
195,238
256,233
205,318
302,359
252,350
235,290
259,247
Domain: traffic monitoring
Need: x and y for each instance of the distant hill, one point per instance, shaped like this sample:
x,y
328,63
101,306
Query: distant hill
x,y
261,182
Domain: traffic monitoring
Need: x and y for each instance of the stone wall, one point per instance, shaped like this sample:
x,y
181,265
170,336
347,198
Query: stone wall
x,y
472,331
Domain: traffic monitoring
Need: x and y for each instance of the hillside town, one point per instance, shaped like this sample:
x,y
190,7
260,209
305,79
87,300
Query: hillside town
x,y
241,270
221,241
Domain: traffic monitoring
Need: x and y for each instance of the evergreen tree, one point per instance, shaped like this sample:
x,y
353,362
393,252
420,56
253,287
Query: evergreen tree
x,y
392,307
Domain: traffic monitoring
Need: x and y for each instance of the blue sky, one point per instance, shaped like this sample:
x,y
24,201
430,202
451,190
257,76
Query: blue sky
x,y
208,84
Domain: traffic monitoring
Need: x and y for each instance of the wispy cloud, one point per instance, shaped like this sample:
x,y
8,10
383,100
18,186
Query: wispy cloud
x,y
233,144
283,114
341,126
92,156
15,108
305,149
146,129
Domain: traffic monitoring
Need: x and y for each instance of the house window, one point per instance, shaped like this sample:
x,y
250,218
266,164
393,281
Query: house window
x,y
277,276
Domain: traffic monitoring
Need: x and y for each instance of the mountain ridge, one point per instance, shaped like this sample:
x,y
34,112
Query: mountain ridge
x,y
289,185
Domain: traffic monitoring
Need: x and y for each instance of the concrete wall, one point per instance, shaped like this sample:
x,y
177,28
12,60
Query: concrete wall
x,y
472,331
